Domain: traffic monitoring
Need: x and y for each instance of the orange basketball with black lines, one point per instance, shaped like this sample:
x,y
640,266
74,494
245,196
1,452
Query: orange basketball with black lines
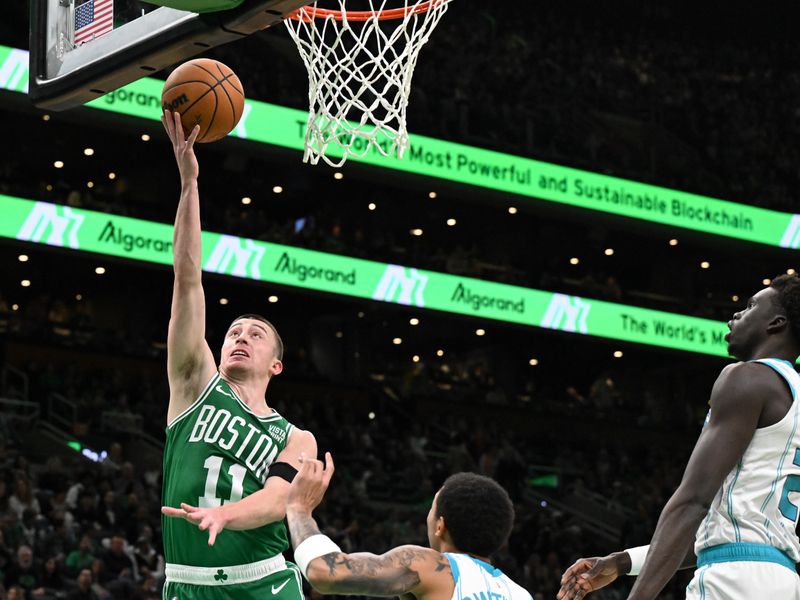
x,y
207,93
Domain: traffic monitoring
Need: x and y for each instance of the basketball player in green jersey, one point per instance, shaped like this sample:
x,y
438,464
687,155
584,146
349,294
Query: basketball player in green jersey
x,y
229,458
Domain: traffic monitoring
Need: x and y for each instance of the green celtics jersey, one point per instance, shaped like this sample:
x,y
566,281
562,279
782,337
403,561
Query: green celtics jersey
x,y
219,451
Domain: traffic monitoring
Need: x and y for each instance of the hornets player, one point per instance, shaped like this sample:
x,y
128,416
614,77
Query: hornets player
x,y
229,458
469,520
737,506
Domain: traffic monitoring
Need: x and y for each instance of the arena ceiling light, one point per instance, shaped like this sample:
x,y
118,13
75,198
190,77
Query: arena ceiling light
x,y
617,353
735,298
440,353
766,281
512,210
338,176
45,118
90,184
451,222
574,260
112,175
59,164
415,358
416,232
609,252
246,200
272,299
432,195
23,258
705,265
25,283
145,137
397,341
673,242
480,332
88,151
100,270
533,362
372,206
277,189
223,301
790,271
413,321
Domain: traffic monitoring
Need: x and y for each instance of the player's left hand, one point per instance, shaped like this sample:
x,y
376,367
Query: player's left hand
x,y
310,483
212,520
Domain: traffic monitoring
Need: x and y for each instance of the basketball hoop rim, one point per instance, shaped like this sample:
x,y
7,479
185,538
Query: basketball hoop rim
x,y
305,14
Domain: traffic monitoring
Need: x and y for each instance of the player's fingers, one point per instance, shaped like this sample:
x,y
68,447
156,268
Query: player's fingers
x,y
166,119
189,508
212,535
173,512
180,135
193,137
329,468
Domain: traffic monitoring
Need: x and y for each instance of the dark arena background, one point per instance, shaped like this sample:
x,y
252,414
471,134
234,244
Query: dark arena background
x,y
555,329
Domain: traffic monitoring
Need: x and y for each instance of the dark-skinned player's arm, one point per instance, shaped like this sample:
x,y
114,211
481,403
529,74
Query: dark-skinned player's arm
x,y
588,575
403,570
737,400
190,363
265,506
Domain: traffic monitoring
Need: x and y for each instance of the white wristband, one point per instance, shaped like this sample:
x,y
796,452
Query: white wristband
x,y
638,556
311,548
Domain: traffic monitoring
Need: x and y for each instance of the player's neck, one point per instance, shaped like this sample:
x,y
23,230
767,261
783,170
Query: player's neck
x,y
772,350
251,391
448,547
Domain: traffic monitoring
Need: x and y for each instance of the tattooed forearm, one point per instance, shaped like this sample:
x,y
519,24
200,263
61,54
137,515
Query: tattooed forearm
x,y
301,526
392,574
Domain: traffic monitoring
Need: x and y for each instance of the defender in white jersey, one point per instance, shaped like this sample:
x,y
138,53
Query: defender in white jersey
x,y
736,509
469,520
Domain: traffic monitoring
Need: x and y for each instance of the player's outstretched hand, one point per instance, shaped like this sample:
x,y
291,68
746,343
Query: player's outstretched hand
x,y
310,483
586,576
206,519
183,147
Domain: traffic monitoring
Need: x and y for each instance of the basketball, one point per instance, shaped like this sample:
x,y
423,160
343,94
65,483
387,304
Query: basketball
x,y
206,93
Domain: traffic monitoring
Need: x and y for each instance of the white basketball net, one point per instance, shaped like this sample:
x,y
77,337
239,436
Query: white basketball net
x,y
360,74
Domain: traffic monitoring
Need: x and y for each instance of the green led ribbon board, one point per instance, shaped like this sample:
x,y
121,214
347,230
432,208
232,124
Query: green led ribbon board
x,y
285,127
135,239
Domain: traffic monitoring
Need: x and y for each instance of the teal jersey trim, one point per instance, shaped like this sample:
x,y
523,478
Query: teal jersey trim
x,y
743,552
453,567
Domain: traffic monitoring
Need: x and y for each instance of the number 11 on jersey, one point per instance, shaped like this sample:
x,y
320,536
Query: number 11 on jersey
x,y
214,465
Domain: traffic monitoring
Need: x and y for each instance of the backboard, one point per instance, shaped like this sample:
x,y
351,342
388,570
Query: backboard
x,y
83,49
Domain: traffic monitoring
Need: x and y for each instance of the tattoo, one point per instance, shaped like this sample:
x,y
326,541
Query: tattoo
x,y
392,574
301,526
443,564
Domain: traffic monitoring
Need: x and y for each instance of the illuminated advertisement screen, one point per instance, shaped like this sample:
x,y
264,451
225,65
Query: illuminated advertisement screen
x,y
438,159
139,240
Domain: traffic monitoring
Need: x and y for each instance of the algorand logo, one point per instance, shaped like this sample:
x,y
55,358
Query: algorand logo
x,y
401,285
14,71
51,224
791,237
236,256
567,313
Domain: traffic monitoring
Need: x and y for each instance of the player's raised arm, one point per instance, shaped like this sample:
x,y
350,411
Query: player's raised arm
x,y
737,400
403,570
190,362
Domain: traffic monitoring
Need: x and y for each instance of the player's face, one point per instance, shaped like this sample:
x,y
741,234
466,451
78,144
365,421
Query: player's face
x,y
434,541
249,347
748,327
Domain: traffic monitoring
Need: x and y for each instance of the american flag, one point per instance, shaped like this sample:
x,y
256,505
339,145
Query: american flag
x,y
93,19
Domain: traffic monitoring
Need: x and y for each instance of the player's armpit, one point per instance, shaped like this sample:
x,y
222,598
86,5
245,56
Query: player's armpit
x,y
403,570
